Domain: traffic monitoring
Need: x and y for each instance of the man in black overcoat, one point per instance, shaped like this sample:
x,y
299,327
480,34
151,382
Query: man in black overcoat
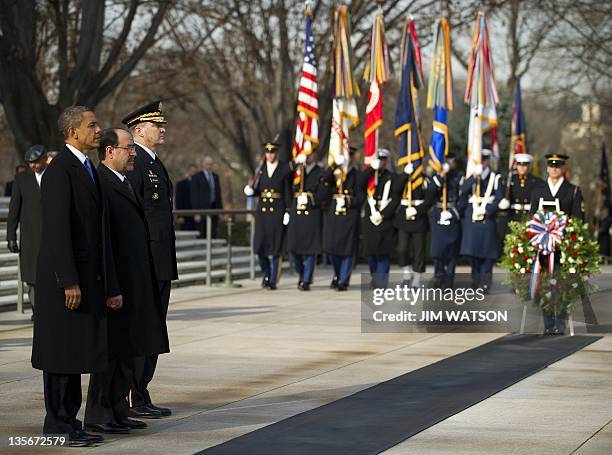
x,y
25,212
273,187
205,193
152,184
138,328
182,199
70,335
304,233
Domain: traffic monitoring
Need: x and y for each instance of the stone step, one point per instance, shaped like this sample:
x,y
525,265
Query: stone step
x,y
216,252
217,263
196,244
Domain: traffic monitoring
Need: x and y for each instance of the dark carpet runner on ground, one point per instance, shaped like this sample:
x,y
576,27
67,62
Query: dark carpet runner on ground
x,y
386,414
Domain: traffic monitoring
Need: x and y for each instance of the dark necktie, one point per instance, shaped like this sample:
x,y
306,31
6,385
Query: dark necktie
x,y
130,188
211,185
89,168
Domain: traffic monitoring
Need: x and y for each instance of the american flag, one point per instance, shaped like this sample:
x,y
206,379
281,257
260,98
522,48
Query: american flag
x,y
307,129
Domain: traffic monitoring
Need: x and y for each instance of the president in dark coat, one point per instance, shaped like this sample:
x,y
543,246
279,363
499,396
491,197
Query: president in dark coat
x,y
70,333
152,184
139,328
25,212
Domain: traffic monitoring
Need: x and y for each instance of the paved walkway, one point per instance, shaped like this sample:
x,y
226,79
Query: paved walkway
x,y
244,358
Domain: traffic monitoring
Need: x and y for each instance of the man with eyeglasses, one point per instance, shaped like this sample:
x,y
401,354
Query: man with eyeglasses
x,y
520,188
152,184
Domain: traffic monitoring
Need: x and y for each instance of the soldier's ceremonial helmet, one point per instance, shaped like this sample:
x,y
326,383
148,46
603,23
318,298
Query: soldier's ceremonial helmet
x,y
152,112
556,159
34,152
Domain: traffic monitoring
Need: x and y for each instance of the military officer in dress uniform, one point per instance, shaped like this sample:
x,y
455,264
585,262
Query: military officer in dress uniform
x,y
152,184
304,233
557,194
445,223
412,224
520,188
479,240
378,230
341,219
273,187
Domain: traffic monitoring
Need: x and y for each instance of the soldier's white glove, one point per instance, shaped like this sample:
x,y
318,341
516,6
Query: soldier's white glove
x,y
340,203
376,218
302,199
301,158
504,204
478,169
445,167
445,215
248,191
286,218
410,212
375,164
340,160
480,212
408,169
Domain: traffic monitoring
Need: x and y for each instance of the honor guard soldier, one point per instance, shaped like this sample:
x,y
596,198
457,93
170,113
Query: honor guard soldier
x,y
272,184
152,184
378,230
520,188
445,223
341,219
557,194
480,196
412,223
304,233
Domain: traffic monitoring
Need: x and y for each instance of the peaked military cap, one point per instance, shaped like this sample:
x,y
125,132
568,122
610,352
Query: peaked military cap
x,y
383,153
150,113
271,146
556,159
34,152
523,158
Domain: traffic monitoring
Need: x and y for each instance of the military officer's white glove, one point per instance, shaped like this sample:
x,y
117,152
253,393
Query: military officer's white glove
x,y
248,191
445,167
301,158
478,169
286,218
408,169
340,203
340,160
376,218
302,199
375,164
480,212
445,215
504,204
410,212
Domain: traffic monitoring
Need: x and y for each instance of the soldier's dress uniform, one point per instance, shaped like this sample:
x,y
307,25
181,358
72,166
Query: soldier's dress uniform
x,y
305,229
445,235
520,191
479,239
341,225
379,240
151,182
412,232
273,187
567,198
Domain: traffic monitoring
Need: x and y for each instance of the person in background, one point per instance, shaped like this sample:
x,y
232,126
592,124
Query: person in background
x,y
206,194
25,212
8,188
182,199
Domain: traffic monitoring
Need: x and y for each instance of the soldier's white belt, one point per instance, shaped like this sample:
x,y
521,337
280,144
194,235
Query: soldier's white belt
x,y
413,203
488,200
449,205
271,195
520,206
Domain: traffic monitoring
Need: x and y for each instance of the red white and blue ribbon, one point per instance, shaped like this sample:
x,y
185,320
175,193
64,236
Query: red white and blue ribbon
x,y
546,231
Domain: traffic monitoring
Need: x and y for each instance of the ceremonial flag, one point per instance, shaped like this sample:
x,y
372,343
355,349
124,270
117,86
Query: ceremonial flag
x,y
440,93
480,93
344,107
376,73
407,114
494,147
307,129
519,129
605,207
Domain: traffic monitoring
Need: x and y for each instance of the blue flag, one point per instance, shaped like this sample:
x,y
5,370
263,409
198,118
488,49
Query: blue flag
x,y
438,147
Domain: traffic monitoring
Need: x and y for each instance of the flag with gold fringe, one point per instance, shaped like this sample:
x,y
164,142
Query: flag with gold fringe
x,y
519,126
440,93
344,106
407,114
307,128
376,73
481,92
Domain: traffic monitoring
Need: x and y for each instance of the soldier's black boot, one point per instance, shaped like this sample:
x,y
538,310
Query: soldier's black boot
x,y
265,282
334,283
